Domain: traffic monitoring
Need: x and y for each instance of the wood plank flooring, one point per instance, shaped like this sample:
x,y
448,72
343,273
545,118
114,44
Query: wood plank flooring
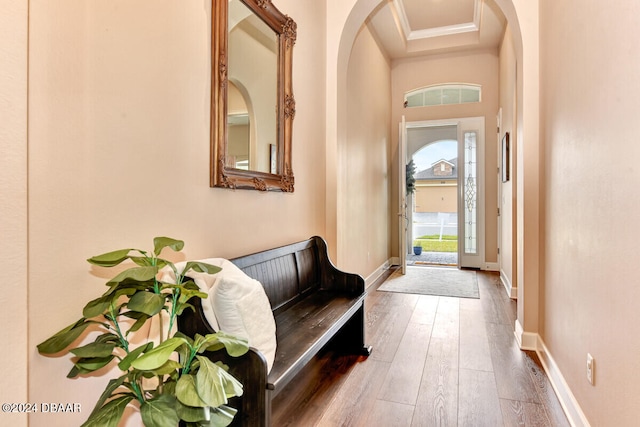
x,y
436,361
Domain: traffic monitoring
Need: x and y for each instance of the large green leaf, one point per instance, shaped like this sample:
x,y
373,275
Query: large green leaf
x,y
182,307
235,346
110,259
200,267
192,414
141,320
97,306
129,287
214,384
138,274
169,367
75,371
184,337
186,294
125,363
63,338
160,412
94,349
108,337
148,303
232,386
142,261
159,243
94,363
112,386
109,415
158,356
101,305
187,393
221,416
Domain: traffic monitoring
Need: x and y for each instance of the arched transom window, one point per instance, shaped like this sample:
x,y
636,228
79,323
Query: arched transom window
x,y
445,94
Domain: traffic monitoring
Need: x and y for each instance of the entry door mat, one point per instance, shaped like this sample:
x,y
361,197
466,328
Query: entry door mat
x,y
446,282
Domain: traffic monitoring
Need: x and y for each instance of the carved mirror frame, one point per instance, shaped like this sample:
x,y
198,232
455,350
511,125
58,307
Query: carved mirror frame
x,y
222,175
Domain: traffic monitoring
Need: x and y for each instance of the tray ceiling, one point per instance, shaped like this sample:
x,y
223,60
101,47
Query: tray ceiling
x,y
422,27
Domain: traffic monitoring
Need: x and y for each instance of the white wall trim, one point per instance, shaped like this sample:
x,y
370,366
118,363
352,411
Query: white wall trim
x,y
410,34
533,342
526,340
377,273
570,405
394,260
511,291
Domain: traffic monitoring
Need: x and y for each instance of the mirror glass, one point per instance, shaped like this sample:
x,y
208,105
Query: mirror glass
x,y
252,100
252,105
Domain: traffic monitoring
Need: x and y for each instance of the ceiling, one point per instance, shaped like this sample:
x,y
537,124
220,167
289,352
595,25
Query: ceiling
x,y
406,28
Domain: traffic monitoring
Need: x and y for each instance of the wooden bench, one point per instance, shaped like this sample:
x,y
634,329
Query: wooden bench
x,y
313,303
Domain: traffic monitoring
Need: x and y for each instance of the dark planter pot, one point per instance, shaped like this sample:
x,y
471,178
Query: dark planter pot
x,y
417,250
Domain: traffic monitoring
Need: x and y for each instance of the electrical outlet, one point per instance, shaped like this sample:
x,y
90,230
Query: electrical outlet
x,y
591,369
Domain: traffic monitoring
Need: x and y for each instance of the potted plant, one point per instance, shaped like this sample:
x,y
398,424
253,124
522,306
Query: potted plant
x,y
410,170
168,378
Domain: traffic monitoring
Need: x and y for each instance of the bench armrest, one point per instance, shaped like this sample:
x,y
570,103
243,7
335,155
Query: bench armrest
x,y
334,278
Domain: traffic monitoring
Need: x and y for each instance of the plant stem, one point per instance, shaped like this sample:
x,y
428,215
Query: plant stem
x,y
138,391
113,318
154,263
192,355
172,316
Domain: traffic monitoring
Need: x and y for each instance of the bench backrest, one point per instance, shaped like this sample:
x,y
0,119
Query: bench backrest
x,y
286,273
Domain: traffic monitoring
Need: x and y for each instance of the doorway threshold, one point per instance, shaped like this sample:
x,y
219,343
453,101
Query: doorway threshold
x,y
442,259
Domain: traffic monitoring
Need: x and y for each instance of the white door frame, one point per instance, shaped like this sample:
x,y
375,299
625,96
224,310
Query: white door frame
x,y
465,123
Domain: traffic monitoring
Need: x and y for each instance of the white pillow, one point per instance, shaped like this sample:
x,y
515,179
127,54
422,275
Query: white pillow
x,y
242,309
205,282
236,304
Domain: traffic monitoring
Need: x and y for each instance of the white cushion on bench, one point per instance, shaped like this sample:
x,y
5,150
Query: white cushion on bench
x,y
242,309
236,304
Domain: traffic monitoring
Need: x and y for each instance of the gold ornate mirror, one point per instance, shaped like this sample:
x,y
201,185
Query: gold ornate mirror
x,y
252,103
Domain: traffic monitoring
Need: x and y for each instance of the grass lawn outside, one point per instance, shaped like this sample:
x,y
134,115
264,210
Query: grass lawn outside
x,y
434,244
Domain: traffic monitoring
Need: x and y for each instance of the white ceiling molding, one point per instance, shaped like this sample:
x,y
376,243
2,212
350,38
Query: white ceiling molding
x,y
448,30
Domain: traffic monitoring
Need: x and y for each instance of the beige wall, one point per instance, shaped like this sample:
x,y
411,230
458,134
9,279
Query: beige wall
x,y
477,68
118,153
363,230
507,202
13,206
590,69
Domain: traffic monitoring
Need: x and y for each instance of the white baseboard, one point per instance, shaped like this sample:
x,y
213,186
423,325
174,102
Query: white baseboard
x,y
568,401
377,273
533,341
394,260
526,340
491,266
511,291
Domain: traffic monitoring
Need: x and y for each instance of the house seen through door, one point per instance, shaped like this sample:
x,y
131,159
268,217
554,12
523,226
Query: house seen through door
x,y
434,200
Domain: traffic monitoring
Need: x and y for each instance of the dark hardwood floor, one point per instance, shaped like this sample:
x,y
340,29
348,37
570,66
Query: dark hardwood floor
x,y
436,361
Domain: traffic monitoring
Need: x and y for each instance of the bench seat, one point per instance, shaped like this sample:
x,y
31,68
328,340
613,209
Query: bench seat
x,y
306,327
314,305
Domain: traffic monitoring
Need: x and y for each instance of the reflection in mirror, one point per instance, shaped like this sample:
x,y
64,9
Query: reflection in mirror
x,y
252,100
238,129
253,66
